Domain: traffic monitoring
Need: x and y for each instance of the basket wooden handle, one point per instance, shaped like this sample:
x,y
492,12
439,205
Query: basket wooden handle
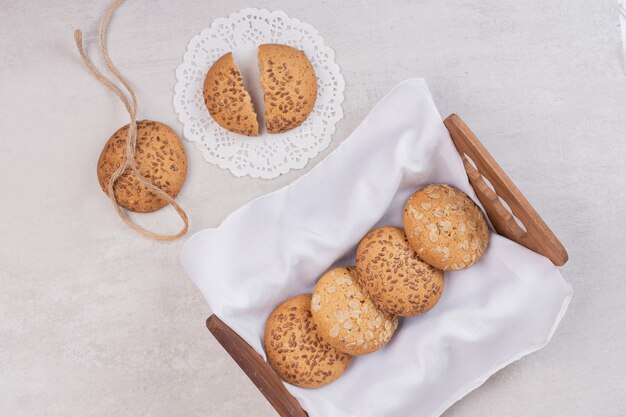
x,y
533,233
256,368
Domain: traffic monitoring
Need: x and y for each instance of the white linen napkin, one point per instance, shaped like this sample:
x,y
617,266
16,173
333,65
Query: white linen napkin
x,y
277,246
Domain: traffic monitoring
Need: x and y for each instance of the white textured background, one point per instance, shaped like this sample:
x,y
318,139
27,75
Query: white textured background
x,y
97,321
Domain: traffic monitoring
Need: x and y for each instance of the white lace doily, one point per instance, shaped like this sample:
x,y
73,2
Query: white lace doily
x,y
265,156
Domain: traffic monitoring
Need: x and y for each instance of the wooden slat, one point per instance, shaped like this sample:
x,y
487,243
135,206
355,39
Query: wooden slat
x,y
537,236
256,368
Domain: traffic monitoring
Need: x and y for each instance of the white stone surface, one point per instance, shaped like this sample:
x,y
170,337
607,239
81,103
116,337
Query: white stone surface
x,y
95,320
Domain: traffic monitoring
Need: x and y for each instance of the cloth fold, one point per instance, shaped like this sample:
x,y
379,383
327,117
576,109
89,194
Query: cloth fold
x,y
277,246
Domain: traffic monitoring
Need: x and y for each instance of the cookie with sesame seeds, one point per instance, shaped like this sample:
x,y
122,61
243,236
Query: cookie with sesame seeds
x,y
294,349
395,278
345,316
160,157
445,227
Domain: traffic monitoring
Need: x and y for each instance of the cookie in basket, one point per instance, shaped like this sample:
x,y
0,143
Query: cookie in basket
x,y
445,227
289,84
393,275
227,100
294,349
160,157
346,317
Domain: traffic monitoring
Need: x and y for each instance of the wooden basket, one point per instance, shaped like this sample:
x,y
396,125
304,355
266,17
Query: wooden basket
x,y
530,231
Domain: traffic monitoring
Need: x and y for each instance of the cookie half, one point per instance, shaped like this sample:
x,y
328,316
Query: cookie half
x,y
445,227
227,100
290,86
160,157
346,317
295,351
393,275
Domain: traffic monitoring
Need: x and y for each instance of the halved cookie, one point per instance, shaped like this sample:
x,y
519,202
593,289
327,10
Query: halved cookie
x,y
227,100
290,86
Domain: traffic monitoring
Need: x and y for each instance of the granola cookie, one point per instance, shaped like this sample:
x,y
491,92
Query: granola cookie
x,y
445,227
160,157
289,84
346,317
227,100
393,276
294,349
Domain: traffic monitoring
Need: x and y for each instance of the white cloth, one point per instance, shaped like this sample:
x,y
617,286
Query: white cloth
x,y
277,246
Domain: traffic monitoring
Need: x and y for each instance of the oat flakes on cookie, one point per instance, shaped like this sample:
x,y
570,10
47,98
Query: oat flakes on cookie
x,y
160,157
445,227
392,274
346,317
294,349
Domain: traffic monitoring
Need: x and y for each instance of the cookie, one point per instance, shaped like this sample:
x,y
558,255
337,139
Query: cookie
x,y
160,157
396,280
445,227
346,317
290,86
227,100
295,351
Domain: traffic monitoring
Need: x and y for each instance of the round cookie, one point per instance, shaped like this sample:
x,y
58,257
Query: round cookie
x,y
346,317
226,98
290,86
160,157
294,349
396,280
445,227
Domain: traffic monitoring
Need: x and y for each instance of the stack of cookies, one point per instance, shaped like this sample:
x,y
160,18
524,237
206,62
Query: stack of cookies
x,y
310,339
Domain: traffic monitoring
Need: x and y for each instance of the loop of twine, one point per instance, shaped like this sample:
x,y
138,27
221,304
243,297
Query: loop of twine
x,y
131,138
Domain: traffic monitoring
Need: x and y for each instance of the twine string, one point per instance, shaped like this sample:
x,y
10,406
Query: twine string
x,y
131,138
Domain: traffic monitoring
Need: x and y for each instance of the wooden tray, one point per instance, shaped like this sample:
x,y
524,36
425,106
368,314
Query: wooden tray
x,y
515,219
